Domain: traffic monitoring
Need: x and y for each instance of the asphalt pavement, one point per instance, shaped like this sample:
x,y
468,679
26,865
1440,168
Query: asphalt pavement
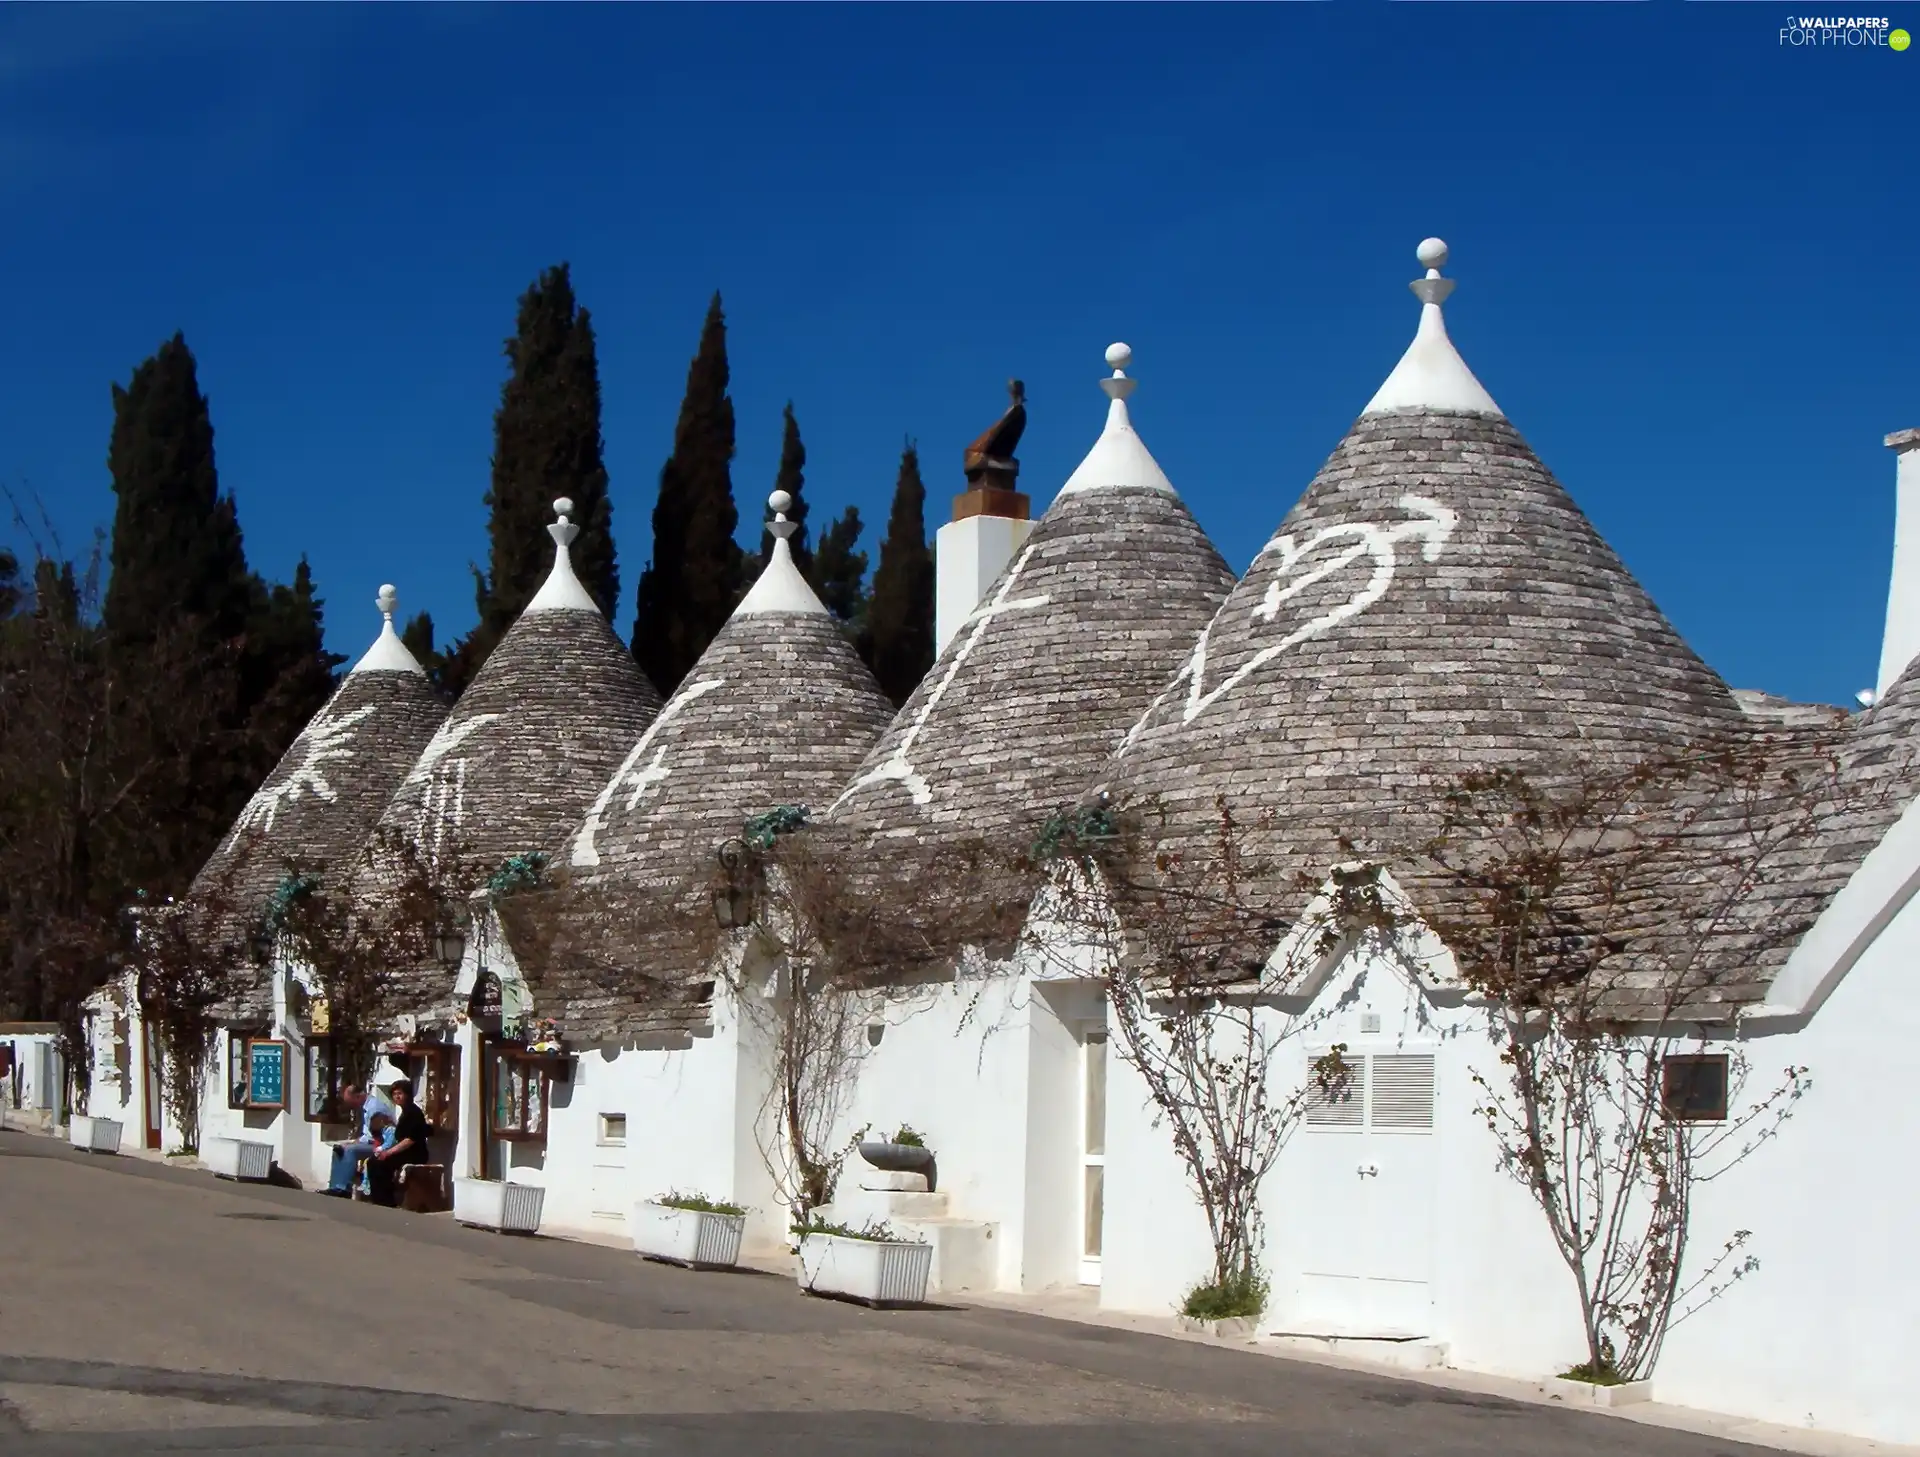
x,y
153,1309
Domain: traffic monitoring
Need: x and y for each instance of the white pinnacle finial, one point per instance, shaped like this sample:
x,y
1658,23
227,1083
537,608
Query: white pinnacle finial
x,y
388,654
1118,459
1431,375
562,592
1433,289
780,587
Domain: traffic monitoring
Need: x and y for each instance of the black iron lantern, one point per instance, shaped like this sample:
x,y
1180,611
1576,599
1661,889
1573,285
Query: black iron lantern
x,y
450,942
732,896
260,945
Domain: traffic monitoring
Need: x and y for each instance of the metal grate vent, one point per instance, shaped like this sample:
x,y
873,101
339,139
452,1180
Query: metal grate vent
x,y
1401,1092
1341,1105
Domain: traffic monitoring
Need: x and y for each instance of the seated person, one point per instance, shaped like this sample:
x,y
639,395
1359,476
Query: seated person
x,y
408,1147
349,1157
381,1134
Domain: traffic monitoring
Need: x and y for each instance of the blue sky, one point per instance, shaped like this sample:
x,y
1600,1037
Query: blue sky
x,y
1685,258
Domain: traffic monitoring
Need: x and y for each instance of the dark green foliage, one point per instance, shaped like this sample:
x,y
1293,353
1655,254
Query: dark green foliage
x,y
176,552
286,672
546,446
700,1203
1244,1295
840,572
689,588
417,638
899,636
180,577
790,478
10,594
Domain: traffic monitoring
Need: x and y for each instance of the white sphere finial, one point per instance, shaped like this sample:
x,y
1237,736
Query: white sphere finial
x,y
388,600
780,503
563,508
1119,356
1432,253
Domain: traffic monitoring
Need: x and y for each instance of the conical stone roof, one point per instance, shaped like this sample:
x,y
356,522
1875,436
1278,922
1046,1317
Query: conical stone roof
x,y
778,711
333,782
534,736
1081,629
1435,603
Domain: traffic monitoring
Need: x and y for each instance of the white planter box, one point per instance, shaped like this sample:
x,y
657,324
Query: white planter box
x,y
94,1135
875,1271
1586,1393
497,1205
693,1237
1231,1328
236,1158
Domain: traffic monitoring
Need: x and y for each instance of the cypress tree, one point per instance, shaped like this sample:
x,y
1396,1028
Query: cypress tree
x,y
689,588
286,670
176,552
899,637
9,583
790,478
840,572
417,638
546,445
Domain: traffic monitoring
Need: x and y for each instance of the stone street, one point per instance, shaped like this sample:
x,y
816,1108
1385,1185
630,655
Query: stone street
x,y
149,1309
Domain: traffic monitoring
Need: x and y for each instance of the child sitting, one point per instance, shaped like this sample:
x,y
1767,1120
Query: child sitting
x,y
380,1132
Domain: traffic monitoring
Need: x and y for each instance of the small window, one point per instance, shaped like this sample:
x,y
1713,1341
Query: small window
x,y
1694,1087
613,1128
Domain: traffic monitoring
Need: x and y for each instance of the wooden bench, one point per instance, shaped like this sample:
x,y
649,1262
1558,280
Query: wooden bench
x,y
424,1189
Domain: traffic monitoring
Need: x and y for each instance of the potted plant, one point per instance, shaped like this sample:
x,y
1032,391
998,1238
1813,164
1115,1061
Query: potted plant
x,y
498,1204
1228,1310
905,1153
1594,1383
689,1229
94,1135
871,1264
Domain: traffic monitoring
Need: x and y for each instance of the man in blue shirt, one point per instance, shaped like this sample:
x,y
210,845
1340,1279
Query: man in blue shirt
x,y
347,1157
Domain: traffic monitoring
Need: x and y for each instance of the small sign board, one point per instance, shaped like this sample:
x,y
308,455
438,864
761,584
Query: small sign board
x,y
486,1006
267,1074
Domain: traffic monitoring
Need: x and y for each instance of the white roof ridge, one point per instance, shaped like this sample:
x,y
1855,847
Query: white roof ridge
x,y
388,654
1431,375
780,587
1119,457
562,591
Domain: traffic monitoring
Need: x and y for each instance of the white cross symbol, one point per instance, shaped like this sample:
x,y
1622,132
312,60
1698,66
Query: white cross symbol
x,y
585,851
896,765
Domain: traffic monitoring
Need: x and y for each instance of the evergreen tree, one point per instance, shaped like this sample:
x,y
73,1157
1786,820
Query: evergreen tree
x,y
176,552
9,583
287,674
690,587
790,478
417,638
840,572
546,445
180,592
899,636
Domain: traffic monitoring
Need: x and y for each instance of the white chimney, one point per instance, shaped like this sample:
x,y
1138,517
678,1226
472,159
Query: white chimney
x,y
1901,642
991,522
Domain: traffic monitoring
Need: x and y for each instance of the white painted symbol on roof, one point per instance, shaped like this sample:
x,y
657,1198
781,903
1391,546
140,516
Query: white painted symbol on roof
x,y
897,766
586,850
446,784
326,741
1297,570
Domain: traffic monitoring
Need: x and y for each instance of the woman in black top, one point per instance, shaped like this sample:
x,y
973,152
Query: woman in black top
x,y
409,1147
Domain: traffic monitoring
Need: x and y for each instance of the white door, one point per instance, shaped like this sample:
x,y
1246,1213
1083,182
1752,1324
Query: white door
x,y
1093,1151
1364,1241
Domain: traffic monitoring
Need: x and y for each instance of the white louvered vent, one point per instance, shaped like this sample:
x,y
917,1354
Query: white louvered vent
x,y
1342,1106
1401,1092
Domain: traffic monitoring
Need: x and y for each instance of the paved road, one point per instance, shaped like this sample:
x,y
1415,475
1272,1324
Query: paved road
x,y
146,1309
